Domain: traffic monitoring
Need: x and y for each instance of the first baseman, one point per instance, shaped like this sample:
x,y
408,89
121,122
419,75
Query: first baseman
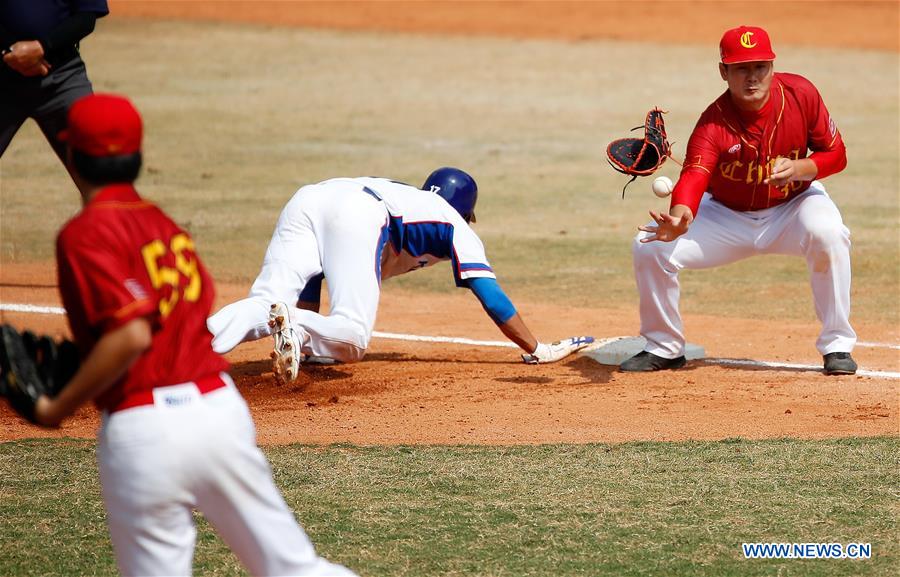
x,y
176,435
355,233
750,186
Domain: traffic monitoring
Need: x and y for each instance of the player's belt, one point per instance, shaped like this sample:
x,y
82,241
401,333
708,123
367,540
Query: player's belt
x,y
173,395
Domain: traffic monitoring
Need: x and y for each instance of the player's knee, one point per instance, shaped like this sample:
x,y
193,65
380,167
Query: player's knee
x,y
827,237
353,346
351,354
826,245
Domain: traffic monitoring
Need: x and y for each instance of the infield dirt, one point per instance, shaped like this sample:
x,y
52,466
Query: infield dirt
x,y
409,393
427,393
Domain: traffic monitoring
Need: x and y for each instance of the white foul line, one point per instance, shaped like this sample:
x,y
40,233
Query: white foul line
x,y
455,340
50,310
877,345
747,362
17,308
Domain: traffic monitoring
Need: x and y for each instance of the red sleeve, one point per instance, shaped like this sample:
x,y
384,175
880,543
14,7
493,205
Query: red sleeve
x,y
699,162
825,142
689,189
94,278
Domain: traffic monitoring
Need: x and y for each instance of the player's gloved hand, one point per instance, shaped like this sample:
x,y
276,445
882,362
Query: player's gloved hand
x,y
556,351
21,383
32,367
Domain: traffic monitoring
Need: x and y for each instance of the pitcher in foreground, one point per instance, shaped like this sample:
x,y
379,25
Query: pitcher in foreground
x,y
176,435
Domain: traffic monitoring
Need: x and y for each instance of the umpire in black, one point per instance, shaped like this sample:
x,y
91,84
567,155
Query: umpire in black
x,y
42,74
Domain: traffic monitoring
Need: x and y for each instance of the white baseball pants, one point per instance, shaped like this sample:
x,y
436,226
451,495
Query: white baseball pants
x,y
809,226
159,462
335,228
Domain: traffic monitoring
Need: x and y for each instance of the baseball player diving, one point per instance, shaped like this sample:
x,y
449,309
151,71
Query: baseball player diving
x,y
749,186
357,232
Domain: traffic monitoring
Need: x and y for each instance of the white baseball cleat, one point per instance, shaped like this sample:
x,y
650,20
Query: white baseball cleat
x,y
286,355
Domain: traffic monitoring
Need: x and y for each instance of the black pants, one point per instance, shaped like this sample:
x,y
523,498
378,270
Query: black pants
x,y
46,100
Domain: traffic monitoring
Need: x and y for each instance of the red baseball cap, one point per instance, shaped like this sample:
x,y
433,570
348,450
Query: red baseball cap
x,y
103,125
746,44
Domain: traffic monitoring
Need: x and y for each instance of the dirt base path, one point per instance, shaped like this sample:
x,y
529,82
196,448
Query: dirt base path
x,y
408,392
869,25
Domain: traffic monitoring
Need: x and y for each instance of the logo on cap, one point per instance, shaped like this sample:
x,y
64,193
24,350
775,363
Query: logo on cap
x,y
745,44
747,40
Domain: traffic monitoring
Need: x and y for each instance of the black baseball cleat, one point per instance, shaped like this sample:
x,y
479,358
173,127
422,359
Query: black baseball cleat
x,y
645,362
839,364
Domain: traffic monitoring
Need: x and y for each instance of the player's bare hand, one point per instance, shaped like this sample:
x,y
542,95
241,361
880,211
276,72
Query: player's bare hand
x,y
667,227
41,69
27,58
783,172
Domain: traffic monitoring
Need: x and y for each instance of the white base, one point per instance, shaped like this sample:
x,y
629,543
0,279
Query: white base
x,y
615,350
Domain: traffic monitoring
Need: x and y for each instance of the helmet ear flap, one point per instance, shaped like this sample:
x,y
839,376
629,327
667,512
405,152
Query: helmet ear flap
x,y
455,186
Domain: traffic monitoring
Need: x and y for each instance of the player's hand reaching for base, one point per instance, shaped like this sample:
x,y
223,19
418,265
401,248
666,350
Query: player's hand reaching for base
x,y
668,227
556,351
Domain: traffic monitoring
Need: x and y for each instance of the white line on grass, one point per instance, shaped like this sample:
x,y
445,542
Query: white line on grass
x,y
51,310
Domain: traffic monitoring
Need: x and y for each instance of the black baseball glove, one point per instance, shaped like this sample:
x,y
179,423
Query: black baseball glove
x,y
31,366
641,156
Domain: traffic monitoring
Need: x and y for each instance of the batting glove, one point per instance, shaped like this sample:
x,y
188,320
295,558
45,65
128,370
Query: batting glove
x,y
556,351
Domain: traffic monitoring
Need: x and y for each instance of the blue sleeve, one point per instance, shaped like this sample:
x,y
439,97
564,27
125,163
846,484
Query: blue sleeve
x,y
493,299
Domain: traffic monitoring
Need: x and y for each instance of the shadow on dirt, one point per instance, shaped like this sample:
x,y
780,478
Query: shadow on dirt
x,y
593,371
526,380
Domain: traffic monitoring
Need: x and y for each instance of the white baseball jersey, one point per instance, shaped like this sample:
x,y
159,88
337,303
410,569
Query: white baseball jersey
x,y
423,230
355,231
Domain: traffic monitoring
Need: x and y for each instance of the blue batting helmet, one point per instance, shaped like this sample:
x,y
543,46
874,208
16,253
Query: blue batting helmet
x,y
457,188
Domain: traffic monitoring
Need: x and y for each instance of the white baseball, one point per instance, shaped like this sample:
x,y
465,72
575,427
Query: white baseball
x,y
662,186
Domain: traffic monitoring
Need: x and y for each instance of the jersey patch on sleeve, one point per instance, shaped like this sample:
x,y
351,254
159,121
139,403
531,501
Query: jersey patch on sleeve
x,y
134,287
474,266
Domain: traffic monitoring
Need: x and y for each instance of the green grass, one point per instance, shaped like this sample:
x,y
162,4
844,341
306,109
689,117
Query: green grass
x,y
626,510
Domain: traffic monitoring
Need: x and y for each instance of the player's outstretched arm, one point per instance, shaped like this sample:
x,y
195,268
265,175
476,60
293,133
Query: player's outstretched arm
x,y
501,310
540,353
516,331
114,353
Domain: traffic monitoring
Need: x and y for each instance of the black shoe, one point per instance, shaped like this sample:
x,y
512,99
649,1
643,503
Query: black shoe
x,y
645,362
839,364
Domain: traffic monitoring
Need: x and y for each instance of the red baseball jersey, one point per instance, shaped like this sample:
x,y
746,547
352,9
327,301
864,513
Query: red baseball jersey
x,y
732,151
121,258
